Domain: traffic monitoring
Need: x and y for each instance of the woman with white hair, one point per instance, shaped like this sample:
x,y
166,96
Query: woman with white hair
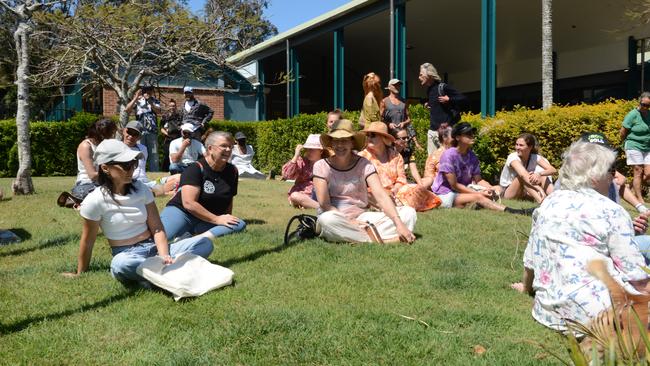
x,y
574,225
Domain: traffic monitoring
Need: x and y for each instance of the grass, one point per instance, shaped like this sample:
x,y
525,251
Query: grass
x,y
308,303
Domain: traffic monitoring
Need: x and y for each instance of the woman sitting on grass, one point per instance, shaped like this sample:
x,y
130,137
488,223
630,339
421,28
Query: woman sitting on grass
x,y
300,168
574,225
526,174
390,167
459,180
86,167
433,160
341,183
126,212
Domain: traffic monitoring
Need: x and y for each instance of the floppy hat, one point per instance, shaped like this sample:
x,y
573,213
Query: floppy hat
x,y
188,89
134,125
313,142
379,128
114,150
239,136
342,129
462,128
188,127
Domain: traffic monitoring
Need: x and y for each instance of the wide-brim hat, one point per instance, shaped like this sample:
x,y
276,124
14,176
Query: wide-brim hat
x,y
112,150
313,142
341,129
379,128
462,128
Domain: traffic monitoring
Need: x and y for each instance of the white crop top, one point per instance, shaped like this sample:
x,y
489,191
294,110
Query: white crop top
x,y
118,222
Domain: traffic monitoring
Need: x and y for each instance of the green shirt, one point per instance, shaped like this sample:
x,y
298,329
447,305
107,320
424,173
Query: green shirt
x,y
638,126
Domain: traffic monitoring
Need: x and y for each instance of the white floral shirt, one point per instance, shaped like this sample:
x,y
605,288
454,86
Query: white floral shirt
x,y
569,229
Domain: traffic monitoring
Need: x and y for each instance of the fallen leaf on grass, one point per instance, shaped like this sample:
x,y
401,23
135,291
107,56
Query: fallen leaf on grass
x,y
479,350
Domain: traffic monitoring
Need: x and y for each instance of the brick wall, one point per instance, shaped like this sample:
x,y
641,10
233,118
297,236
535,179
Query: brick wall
x,y
212,98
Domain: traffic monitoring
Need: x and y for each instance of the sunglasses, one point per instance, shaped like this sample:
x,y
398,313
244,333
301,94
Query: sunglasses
x,y
133,133
405,138
645,105
372,135
125,165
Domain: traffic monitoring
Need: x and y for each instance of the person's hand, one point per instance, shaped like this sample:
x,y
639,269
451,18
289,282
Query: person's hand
x,y
401,125
487,193
392,126
405,235
443,99
70,274
167,259
186,142
138,93
298,150
518,286
226,220
640,223
426,105
534,178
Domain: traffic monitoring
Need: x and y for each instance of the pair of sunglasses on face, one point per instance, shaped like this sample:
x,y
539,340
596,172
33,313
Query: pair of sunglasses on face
x,y
125,165
645,105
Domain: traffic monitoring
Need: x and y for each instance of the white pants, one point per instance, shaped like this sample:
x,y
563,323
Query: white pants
x,y
433,142
337,227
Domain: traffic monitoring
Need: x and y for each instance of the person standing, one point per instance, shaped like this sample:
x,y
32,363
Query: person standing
x,y
395,113
636,134
171,128
195,112
442,101
371,109
146,112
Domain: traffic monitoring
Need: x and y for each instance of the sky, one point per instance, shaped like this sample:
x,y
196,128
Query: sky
x,y
286,14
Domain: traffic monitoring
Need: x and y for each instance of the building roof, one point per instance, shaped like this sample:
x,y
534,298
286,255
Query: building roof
x,y
282,37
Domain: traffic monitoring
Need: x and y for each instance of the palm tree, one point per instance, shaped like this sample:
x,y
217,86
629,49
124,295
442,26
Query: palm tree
x,y
547,54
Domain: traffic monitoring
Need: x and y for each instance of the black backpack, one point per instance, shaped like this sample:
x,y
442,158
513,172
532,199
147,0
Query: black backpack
x,y
306,228
454,113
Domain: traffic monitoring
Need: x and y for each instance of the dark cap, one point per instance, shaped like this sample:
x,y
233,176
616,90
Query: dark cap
x,y
240,136
595,138
134,125
462,128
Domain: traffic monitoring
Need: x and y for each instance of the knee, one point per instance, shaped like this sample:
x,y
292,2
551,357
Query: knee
x,y
203,247
327,219
241,225
123,267
294,197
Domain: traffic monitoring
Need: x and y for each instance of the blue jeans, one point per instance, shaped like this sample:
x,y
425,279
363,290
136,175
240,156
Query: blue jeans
x,y
176,168
643,242
150,141
177,222
126,259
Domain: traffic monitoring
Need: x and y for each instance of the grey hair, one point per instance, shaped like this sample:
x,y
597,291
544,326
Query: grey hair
x,y
584,163
644,95
212,138
431,71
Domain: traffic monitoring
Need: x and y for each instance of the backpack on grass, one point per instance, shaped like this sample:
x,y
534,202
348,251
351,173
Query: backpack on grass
x,y
306,228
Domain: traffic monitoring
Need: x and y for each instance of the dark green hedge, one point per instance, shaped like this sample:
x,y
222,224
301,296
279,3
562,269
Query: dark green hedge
x,y
54,143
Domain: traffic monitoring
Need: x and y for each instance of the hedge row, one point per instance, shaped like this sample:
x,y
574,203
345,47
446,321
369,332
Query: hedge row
x,y
54,143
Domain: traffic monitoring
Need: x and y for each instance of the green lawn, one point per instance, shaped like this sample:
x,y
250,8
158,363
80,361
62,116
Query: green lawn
x,y
308,303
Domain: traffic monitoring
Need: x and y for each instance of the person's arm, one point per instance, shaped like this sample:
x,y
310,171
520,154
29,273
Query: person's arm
x,y
415,173
131,104
290,170
401,175
536,178
624,132
407,117
88,236
177,156
190,197
388,207
86,155
158,232
155,105
455,186
208,116
522,173
624,252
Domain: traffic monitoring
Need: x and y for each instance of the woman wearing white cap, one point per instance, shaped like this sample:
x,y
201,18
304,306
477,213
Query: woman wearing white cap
x,y
126,212
300,169
341,183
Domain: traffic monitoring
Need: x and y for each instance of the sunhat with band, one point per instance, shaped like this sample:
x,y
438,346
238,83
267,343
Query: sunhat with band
x,y
379,128
112,150
313,142
342,129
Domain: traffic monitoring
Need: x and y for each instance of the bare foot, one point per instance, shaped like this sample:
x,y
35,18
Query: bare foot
x,y
518,286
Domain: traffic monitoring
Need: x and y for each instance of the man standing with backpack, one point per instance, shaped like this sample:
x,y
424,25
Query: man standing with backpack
x,y
443,102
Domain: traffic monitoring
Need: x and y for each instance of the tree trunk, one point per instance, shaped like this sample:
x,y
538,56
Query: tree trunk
x,y
124,115
23,183
547,54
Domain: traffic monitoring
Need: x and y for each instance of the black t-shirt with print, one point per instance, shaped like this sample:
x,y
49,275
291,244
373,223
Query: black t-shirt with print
x,y
217,188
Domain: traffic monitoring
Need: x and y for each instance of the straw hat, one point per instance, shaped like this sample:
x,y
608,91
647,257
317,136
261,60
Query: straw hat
x,y
342,129
379,128
313,142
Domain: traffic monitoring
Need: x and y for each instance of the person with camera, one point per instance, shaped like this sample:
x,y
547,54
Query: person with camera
x,y
443,102
185,150
195,112
147,108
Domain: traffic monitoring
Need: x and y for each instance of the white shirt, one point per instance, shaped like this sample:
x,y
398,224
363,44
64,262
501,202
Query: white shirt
x,y
191,153
243,161
140,172
118,221
82,174
508,174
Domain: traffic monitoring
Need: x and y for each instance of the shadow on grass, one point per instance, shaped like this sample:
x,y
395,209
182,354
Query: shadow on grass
x,y
258,254
43,244
23,324
22,233
254,221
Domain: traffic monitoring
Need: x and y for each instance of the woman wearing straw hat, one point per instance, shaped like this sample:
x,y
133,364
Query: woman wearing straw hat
x,y
390,168
341,183
300,169
126,212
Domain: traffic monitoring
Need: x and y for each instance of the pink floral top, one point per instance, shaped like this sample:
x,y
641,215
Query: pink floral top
x,y
301,171
569,229
390,172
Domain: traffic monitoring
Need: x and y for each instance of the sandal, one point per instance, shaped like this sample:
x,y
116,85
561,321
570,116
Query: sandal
x,y
67,200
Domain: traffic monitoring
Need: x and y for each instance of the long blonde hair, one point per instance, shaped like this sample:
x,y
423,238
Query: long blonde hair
x,y
372,84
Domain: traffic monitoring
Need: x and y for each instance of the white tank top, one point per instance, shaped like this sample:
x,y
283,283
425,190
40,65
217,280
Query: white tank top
x,y
82,174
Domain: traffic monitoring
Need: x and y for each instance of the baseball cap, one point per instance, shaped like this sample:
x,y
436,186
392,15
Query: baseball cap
x,y
462,128
114,150
595,138
188,127
188,89
239,136
134,125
